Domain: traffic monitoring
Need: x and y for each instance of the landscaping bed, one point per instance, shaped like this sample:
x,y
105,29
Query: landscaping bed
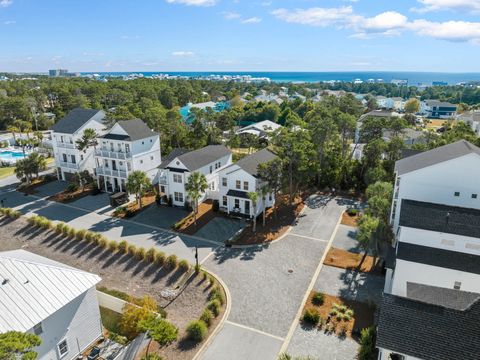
x,y
347,260
350,220
331,314
120,271
204,215
35,183
275,225
67,196
133,208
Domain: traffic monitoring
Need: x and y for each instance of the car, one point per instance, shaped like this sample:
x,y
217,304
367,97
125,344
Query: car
x,y
94,353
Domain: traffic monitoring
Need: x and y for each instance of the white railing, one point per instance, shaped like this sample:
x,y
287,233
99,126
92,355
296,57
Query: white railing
x,y
65,145
109,172
163,180
113,154
68,165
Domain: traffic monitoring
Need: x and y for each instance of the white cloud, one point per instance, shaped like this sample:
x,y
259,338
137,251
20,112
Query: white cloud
x,y
183,53
5,3
438,5
252,20
129,37
231,15
9,22
456,31
193,2
317,16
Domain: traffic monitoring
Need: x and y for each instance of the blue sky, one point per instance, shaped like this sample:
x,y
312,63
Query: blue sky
x,y
240,35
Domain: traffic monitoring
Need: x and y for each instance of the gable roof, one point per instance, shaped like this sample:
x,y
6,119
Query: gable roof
x,y
197,159
168,159
428,331
136,129
251,162
435,156
75,119
451,298
265,126
33,287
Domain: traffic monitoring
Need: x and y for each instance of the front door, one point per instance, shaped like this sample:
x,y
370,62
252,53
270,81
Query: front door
x,y
247,207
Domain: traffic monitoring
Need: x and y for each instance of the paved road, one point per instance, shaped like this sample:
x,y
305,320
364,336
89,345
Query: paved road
x,y
268,283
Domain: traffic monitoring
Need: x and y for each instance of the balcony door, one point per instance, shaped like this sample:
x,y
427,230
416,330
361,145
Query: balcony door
x,y
247,207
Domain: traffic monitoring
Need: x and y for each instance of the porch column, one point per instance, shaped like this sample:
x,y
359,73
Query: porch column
x,y
105,183
120,184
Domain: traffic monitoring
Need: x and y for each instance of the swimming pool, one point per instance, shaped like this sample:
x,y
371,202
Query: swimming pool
x,y
10,156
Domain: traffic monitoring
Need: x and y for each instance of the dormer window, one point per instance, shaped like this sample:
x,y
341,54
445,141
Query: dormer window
x,y
474,196
457,193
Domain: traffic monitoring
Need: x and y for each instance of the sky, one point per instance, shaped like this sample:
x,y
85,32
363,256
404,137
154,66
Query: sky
x,y
240,35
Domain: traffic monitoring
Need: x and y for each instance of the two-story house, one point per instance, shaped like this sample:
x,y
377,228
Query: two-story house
x,y
238,179
173,173
68,159
432,285
130,145
438,109
49,299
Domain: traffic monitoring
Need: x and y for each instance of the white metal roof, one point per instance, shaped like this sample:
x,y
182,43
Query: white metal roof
x,y
33,287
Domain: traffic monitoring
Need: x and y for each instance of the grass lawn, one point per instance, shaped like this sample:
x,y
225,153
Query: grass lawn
x,y
6,171
110,319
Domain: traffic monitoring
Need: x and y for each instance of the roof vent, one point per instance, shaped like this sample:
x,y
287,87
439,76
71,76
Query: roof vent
x,y
5,281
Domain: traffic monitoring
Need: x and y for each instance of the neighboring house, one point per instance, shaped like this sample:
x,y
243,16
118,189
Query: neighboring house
x,y
261,129
398,104
433,270
373,114
471,118
269,98
174,171
68,159
435,109
238,179
410,136
130,145
52,300
384,102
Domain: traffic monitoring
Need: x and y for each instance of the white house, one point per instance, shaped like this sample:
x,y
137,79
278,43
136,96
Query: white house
x,y
384,102
174,171
52,300
432,283
398,104
68,159
262,129
471,118
130,145
238,179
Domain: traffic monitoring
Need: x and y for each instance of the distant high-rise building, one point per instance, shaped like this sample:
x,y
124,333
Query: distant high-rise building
x,y
60,73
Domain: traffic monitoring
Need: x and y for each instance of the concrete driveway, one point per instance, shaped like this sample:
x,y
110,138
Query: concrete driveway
x,y
51,188
267,284
161,216
220,229
95,203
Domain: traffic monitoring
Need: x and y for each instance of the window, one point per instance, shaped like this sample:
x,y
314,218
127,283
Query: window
x,y
247,207
211,169
120,162
457,193
474,196
178,196
151,140
237,203
212,186
127,148
177,178
143,142
141,161
62,347
37,329
224,201
74,161
61,139
238,184
151,157
245,185
216,167
457,285
224,182
81,157
64,157
129,167
270,197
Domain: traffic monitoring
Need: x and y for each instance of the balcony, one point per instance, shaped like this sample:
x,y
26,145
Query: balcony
x,y
163,180
113,154
109,172
64,145
68,165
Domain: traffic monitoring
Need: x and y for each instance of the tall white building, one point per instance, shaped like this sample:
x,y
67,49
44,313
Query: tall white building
x,y
130,145
52,300
431,305
68,159
176,168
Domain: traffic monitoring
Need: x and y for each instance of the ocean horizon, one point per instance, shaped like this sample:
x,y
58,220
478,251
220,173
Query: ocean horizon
x,y
413,78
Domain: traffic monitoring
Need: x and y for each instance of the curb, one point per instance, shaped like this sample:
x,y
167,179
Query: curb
x,y
228,301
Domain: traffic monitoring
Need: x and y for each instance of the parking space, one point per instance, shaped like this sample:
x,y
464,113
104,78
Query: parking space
x,y
51,188
346,239
350,284
95,203
220,229
160,216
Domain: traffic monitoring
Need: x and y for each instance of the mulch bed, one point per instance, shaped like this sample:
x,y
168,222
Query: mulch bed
x,y
66,197
133,208
40,181
349,219
363,315
275,225
204,216
347,260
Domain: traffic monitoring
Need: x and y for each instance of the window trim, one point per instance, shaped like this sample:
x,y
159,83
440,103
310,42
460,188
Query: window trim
x,y
62,355
178,177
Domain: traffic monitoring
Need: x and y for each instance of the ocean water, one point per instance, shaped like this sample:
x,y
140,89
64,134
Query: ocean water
x,y
414,78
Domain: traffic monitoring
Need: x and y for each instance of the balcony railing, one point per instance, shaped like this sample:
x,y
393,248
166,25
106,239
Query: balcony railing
x,y
113,154
65,145
110,172
163,180
68,165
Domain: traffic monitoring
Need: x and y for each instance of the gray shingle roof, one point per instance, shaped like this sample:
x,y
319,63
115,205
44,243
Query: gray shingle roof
x,y
196,159
448,259
435,156
136,129
429,332
438,217
251,162
238,194
451,298
168,159
75,119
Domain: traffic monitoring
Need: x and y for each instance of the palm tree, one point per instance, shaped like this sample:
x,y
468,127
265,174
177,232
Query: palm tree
x,y
195,186
38,163
264,191
253,196
13,129
23,143
88,139
138,183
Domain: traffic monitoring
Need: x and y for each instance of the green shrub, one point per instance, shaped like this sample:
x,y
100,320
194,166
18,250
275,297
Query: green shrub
x,y
311,317
71,187
66,230
318,298
150,255
214,306
131,250
72,232
160,258
113,246
367,344
102,242
59,227
206,317
196,330
211,280
119,339
81,234
140,253
171,262
90,236
151,356
217,294
32,220
183,265
123,246
352,212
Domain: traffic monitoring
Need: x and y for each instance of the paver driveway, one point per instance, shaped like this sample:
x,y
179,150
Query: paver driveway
x,y
267,284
